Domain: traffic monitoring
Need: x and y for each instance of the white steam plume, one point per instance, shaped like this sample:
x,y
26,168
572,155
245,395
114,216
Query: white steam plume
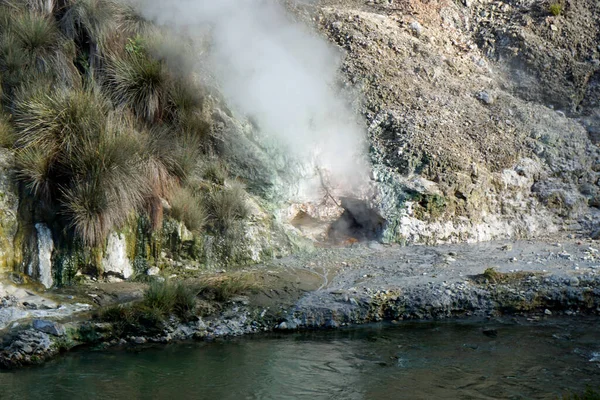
x,y
277,71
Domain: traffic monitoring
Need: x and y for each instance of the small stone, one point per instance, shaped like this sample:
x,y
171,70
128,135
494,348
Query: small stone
x,y
139,340
416,28
485,97
30,306
574,281
547,312
26,348
513,259
153,271
282,326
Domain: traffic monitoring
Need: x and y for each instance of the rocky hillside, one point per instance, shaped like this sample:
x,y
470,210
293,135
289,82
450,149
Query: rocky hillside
x,y
482,121
482,115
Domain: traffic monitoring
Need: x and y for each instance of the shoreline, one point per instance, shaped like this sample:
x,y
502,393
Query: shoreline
x,y
367,283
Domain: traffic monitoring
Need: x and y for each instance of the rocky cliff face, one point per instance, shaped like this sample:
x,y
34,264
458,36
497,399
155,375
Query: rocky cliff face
x,y
482,114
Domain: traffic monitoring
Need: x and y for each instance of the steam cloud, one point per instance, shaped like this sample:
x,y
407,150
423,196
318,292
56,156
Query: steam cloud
x,y
277,71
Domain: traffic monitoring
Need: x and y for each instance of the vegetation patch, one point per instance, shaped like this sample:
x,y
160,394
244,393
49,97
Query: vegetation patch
x,y
189,209
491,275
161,300
588,394
555,8
106,132
429,206
224,287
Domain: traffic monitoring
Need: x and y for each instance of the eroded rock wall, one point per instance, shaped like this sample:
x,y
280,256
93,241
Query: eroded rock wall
x,y
481,114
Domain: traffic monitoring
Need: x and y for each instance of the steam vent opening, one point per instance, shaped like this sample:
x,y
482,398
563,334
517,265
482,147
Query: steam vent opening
x,y
358,222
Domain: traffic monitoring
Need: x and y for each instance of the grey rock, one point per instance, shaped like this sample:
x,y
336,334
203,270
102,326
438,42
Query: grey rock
x,y
139,340
153,271
485,97
282,326
574,281
49,327
416,28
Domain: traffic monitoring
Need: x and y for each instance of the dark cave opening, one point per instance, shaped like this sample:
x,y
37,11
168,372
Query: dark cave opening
x,y
359,222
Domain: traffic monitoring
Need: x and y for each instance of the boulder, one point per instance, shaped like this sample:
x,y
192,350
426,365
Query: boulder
x,y
50,327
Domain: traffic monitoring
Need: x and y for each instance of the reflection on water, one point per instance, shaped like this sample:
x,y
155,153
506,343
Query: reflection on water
x,y
449,360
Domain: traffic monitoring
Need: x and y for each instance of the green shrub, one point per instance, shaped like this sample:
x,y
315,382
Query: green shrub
x,y
187,208
555,9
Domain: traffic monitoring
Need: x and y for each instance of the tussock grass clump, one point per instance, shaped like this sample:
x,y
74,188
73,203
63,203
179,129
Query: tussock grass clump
x,y
129,22
161,299
107,182
491,275
139,82
7,134
224,287
226,206
59,120
34,169
188,208
170,298
85,162
105,125
95,19
213,170
33,43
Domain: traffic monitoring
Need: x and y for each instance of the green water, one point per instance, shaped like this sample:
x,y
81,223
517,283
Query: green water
x,y
450,360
